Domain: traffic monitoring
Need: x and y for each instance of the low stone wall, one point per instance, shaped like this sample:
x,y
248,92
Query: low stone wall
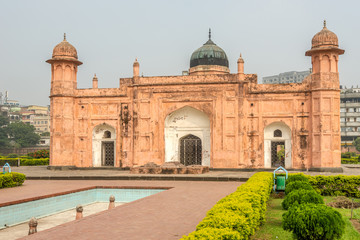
x,y
169,168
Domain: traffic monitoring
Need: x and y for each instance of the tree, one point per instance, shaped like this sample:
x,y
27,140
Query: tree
x,y
23,134
4,139
356,143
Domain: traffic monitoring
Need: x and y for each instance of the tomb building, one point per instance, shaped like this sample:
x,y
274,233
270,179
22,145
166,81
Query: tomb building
x,y
210,117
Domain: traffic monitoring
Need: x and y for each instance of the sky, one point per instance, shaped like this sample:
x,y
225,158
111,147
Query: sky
x,y
272,35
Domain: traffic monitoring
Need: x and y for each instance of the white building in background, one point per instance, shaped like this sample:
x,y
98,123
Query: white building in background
x,y
286,77
349,114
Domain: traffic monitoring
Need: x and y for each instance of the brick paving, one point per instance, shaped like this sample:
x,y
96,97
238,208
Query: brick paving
x,y
166,215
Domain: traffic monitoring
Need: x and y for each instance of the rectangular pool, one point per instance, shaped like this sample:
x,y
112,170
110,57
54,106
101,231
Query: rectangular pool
x,y
22,212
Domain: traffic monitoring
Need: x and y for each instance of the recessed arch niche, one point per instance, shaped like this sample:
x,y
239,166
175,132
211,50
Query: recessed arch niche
x,y
184,122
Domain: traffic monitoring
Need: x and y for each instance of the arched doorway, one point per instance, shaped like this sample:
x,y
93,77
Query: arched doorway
x,y
103,145
190,150
277,145
187,137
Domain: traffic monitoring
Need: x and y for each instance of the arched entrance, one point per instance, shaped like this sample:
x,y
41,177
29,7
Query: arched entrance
x,y
187,137
190,150
103,145
277,145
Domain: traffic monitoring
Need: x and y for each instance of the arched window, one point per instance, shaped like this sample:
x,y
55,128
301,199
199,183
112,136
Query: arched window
x,y
107,134
277,133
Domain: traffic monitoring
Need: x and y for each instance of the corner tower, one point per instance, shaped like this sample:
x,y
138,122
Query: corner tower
x,y
64,63
325,100
209,59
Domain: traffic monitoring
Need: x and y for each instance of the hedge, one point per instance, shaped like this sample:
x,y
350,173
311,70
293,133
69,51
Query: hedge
x,y
349,160
34,162
238,215
339,185
12,179
24,161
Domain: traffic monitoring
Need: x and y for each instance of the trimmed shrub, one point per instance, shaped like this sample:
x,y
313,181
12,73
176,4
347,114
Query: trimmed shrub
x,y
11,179
349,160
295,185
339,185
18,178
7,180
11,161
240,213
34,162
301,196
12,155
214,234
314,221
346,155
296,177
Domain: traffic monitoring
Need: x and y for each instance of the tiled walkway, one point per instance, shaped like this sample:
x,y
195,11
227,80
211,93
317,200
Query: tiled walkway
x,y
166,215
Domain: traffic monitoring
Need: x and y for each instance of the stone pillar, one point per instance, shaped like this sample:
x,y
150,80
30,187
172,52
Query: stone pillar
x,y
136,68
112,202
33,226
240,63
79,210
95,81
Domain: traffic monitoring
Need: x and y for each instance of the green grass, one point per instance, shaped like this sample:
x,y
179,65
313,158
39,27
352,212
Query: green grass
x,y
272,228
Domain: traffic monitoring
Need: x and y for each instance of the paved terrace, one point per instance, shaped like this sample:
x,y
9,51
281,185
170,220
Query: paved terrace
x,y
166,215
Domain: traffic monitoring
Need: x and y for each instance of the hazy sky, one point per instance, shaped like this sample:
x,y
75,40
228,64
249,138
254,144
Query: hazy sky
x,y
108,35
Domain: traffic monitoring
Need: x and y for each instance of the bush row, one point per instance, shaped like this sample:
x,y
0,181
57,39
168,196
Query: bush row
x,y
308,217
339,185
349,160
12,179
24,162
238,215
38,154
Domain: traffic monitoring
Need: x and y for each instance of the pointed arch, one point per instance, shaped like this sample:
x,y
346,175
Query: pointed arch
x,y
103,145
184,122
273,142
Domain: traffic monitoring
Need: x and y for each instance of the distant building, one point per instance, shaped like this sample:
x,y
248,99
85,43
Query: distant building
x,y
41,123
287,77
349,114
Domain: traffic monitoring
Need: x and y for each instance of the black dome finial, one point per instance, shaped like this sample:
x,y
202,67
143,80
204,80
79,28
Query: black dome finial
x,y
209,33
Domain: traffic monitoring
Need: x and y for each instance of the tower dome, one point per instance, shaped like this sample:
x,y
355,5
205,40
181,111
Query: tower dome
x,y
325,38
209,58
64,50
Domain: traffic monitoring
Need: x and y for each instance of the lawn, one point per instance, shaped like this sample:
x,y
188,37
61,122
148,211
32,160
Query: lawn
x,y
272,229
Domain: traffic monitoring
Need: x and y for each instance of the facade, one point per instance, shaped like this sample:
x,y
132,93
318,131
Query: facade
x,y
286,77
349,115
210,117
41,123
38,116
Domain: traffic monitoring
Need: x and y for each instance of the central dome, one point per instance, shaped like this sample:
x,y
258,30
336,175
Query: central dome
x,y
209,54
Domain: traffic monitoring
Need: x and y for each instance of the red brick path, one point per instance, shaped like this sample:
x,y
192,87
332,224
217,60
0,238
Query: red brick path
x,y
166,215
